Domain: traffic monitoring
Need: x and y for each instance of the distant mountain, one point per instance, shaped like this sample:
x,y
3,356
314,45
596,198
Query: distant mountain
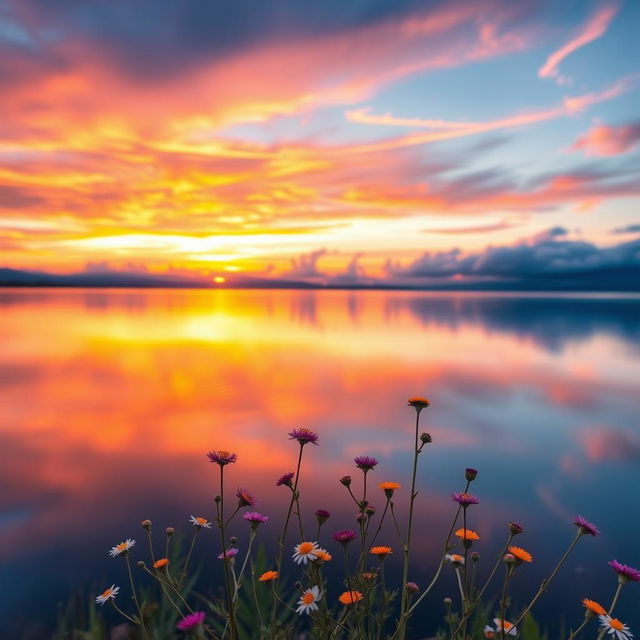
x,y
604,279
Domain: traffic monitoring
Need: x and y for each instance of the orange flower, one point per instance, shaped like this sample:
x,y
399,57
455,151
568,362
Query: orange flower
x,y
389,485
323,554
418,402
594,607
521,554
268,576
160,564
467,534
350,597
380,552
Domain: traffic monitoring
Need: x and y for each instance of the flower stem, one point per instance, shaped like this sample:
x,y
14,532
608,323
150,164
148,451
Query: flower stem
x,y
186,563
135,596
225,560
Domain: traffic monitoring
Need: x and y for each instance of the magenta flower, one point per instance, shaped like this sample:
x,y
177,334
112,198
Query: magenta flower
x,y
191,621
464,499
470,474
303,436
412,587
344,537
245,499
346,481
255,518
585,526
515,528
222,457
285,479
366,463
229,553
625,572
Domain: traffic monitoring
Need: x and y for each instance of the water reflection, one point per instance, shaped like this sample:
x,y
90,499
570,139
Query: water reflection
x,y
111,398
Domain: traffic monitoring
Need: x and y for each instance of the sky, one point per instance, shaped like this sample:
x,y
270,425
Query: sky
x,y
370,140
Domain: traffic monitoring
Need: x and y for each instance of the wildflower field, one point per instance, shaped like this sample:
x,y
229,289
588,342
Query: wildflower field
x,y
289,596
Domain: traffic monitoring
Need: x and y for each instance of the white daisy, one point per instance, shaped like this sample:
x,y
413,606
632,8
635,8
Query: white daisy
x,y
615,628
308,600
454,559
305,551
199,522
121,548
509,628
107,594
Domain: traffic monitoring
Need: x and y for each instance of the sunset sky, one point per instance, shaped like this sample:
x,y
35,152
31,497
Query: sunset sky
x,y
297,138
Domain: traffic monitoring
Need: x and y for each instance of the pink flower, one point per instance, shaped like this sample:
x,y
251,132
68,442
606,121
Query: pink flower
x,y
191,621
229,553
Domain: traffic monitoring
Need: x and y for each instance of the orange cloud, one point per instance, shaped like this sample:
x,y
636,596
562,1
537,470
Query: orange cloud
x,y
595,27
606,140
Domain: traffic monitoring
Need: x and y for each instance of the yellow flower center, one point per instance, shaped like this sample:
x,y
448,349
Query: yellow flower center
x,y
308,598
616,624
305,548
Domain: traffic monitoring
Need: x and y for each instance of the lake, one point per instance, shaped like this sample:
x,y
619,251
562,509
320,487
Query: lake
x,y
110,399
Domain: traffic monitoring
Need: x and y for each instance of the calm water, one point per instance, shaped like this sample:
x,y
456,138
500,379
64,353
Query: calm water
x,y
109,401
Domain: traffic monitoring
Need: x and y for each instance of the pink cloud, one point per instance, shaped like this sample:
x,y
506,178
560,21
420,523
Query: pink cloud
x,y
595,27
606,140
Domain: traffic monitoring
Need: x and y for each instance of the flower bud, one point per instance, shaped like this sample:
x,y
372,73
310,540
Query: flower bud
x,y
448,601
217,499
475,556
509,558
412,587
515,528
425,438
370,510
233,540
146,524
169,531
346,481
322,516
470,474
140,564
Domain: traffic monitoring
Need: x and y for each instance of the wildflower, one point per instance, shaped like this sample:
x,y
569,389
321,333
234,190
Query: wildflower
x,y
322,516
521,554
615,628
509,628
389,488
454,558
593,608
222,457
108,594
346,481
350,597
169,531
200,522
625,573
366,463
304,551
475,556
122,548
344,537
515,528
303,436
161,564
467,534
286,479
380,552
370,510
412,587
509,558
425,438
368,576
585,526
267,576
464,499
418,403
146,524
245,499
308,600
190,622
255,518
323,555
229,553
470,474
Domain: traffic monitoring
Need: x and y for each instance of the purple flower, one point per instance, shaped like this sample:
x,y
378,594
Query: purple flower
x,y
515,528
464,499
344,537
222,457
585,526
322,515
229,553
285,479
470,474
346,481
255,518
366,463
303,436
625,572
412,587
245,499
191,621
